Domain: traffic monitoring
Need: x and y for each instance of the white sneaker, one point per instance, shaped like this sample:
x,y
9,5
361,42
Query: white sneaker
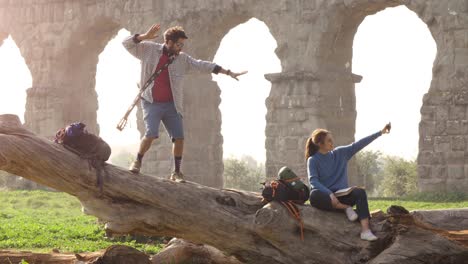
x,y
177,177
135,167
352,216
367,235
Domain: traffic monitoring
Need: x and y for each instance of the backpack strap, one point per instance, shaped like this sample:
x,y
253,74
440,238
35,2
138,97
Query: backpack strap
x,y
123,122
59,136
274,186
294,211
291,180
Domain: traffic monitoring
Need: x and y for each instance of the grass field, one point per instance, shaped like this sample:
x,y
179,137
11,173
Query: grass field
x,y
41,221
422,201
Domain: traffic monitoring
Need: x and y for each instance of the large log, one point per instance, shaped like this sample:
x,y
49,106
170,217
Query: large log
x,y
233,221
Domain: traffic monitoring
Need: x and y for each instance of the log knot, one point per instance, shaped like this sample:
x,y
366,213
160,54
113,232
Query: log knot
x,y
397,210
264,216
226,200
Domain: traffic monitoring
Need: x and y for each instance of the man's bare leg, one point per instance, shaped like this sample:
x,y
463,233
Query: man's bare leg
x,y
178,147
145,145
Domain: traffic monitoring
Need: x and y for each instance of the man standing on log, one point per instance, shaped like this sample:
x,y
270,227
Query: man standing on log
x,y
162,101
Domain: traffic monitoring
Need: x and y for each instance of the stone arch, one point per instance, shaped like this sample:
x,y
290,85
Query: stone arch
x,y
208,137
441,144
202,119
314,40
202,151
66,90
85,45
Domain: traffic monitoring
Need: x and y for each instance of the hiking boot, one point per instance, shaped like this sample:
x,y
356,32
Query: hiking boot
x,y
177,176
352,216
135,167
367,235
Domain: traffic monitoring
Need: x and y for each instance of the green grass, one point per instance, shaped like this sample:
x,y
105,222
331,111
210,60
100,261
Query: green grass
x,y
40,221
422,201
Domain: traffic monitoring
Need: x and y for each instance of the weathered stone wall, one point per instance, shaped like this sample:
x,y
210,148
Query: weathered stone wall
x,y
443,130
61,40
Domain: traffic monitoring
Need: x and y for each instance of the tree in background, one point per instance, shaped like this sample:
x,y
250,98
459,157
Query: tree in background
x,y
399,177
244,174
12,182
369,168
122,159
387,176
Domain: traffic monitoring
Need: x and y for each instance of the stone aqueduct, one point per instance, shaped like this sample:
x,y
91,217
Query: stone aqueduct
x,y
62,39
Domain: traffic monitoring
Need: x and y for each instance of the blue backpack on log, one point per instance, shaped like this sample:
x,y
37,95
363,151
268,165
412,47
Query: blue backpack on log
x,y
85,144
78,140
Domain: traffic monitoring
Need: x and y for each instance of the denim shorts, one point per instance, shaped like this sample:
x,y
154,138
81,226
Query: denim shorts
x,y
154,113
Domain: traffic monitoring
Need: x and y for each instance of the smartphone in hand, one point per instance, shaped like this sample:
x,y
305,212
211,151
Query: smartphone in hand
x,y
388,126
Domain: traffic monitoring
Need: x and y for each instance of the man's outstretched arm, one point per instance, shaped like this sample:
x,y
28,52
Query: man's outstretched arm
x,y
210,67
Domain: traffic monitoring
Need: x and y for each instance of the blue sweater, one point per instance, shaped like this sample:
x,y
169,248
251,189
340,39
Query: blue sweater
x,y
328,172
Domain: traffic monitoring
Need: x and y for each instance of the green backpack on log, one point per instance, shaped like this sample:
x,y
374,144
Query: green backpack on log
x,y
289,190
287,187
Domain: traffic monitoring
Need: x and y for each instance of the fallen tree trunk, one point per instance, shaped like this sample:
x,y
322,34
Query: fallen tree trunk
x,y
233,221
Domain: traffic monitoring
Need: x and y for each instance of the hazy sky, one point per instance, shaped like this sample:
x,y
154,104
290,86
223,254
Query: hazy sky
x,y
15,78
393,51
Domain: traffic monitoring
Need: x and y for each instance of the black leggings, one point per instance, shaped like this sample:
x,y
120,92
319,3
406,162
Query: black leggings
x,y
358,197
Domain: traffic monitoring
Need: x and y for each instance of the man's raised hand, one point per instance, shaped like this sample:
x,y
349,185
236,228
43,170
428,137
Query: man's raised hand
x,y
152,32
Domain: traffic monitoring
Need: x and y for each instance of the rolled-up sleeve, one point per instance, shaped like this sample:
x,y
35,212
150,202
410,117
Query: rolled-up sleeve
x,y
136,48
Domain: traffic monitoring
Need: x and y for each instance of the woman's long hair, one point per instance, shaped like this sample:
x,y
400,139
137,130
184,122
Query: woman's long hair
x,y
312,144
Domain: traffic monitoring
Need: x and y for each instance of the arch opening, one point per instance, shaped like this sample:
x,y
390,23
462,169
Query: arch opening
x,y
394,51
242,105
15,80
117,75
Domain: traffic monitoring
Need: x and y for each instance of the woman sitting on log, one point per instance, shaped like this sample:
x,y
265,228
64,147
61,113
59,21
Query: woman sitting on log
x,y
327,170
